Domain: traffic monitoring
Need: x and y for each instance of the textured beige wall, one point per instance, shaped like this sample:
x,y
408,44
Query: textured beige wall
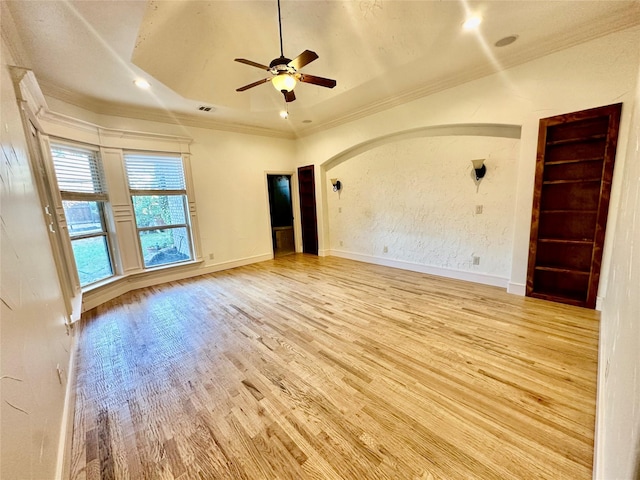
x,y
33,340
417,198
618,440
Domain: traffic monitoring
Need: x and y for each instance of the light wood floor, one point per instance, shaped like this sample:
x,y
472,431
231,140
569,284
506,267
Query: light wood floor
x,y
323,368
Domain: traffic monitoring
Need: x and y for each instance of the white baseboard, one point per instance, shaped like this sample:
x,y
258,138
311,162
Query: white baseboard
x,y
144,279
63,464
517,288
475,277
235,263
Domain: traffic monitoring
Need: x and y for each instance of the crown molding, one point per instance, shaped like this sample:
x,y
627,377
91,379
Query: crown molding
x,y
103,107
57,124
405,97
603,28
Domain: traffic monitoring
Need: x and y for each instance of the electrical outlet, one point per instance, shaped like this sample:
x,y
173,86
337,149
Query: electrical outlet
x,y
339,209
211,256
385,249
478,209
476,260
340,242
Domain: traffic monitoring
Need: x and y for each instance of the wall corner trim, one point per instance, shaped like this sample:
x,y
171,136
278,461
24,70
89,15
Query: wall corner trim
x,y
516,288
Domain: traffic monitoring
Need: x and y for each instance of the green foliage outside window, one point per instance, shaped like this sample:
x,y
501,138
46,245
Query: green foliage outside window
x,y
158,210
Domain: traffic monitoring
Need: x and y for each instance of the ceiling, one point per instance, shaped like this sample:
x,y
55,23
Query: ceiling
x,y
381,52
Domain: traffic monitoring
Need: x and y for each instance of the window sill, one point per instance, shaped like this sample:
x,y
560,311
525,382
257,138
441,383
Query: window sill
x,y
102,283
171,266
109,288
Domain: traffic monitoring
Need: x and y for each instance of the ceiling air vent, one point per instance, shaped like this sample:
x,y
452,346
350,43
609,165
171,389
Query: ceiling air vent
x,y
205,108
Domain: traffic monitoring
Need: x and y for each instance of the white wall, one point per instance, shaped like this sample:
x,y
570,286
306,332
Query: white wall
x,y
229,171
417,198
618,416
600,72
33,341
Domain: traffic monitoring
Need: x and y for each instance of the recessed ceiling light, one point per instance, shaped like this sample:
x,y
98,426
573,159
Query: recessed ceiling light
x,y
284,114
472,22
503,42
142,83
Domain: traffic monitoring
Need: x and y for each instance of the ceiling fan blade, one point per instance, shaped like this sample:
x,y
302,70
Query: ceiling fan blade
x,y
251,85
253,64
323,82
305,58
289,96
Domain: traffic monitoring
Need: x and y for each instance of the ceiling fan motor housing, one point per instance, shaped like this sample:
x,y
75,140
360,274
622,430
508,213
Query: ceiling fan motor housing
x,y
281,65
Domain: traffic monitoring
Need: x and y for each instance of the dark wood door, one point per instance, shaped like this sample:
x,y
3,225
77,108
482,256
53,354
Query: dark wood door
x,y
574,168
308,216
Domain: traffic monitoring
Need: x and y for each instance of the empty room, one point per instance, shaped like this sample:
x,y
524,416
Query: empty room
x,y
278,239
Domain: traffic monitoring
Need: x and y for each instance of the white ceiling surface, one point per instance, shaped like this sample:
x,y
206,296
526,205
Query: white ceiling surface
x,y
381,52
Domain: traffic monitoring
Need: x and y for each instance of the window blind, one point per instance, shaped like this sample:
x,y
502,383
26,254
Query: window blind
x,y
78,170
149,172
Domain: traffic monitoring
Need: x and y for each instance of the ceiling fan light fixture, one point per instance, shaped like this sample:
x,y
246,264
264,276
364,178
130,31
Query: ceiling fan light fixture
x,y
284,82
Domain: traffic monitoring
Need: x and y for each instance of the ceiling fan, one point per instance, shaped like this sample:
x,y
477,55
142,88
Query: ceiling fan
x,y
285,72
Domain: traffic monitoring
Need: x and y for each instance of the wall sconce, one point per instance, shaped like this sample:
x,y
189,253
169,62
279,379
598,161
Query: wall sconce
x,y
337,185
479,167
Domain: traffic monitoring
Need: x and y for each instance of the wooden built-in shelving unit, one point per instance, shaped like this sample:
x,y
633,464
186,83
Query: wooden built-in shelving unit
x,y
574,168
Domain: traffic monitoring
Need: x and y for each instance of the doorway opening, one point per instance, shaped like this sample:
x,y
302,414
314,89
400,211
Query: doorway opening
x,y
281,212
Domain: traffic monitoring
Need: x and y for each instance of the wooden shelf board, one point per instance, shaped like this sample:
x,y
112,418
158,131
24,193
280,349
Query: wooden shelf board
x,y
572,211
574,160
577,180
562,270
559,298
566,241
588,138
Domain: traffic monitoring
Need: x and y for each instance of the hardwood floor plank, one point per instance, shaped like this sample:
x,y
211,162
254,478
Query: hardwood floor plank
x,y
323,368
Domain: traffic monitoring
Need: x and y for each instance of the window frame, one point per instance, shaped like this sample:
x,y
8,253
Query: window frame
x,y
100,198
140,192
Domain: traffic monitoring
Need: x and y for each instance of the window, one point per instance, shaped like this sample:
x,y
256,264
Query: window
x,y
158,193
83,192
